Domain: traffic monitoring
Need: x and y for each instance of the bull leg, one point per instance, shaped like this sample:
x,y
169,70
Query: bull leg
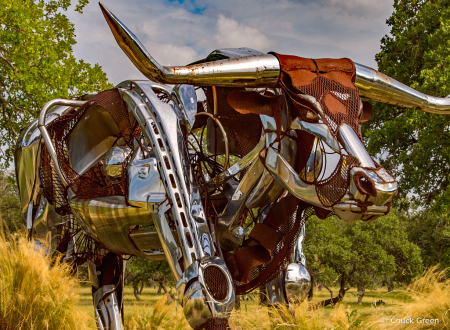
x,y
294,283
107,292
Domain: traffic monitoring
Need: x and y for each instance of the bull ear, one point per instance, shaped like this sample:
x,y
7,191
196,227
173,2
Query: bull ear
x,y
366,112
246,71
377,86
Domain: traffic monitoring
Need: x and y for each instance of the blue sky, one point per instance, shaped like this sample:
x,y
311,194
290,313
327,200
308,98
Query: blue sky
x,y
177,32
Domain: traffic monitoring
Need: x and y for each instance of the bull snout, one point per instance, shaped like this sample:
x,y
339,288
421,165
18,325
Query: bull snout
x,y
369,197
371,189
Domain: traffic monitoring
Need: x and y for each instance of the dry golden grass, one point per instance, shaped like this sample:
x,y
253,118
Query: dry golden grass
x,y
301,317
34,294
164,315
430,296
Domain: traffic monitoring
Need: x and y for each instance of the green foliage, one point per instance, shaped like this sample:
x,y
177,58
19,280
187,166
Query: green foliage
x,y
37,64
364,252
430,231
413,144
143,272
350,317
10,207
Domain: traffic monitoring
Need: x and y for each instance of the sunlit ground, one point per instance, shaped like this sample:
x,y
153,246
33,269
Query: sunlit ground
x,y
149,297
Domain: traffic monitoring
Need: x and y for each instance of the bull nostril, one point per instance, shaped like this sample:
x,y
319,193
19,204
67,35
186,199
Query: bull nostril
x,y
364,184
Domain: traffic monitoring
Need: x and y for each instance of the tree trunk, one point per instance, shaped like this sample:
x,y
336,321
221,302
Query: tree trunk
x,y
161,286
136,291
263,295
335,300
390,286
142,288
361,291
237,302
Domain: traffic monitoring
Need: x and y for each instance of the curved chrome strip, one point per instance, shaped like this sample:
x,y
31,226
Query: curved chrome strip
x,y
377,86
246,71
46,136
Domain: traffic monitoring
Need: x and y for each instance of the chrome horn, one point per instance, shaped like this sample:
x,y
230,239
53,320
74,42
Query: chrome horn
x,y
262,71
246,71
377,86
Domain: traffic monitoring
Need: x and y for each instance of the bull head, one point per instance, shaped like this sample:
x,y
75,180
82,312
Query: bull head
x,y
370,188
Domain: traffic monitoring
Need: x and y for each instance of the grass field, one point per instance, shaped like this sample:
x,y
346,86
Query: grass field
x,y
149,297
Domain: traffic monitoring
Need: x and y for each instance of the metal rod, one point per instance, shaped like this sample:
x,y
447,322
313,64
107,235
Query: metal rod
x,y
227,153
46,136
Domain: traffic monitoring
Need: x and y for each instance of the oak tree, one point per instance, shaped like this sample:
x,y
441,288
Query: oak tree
x,y
37,63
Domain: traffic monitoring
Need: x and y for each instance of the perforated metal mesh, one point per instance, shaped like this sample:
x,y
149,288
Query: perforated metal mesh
x,y
320,87
93,183
215,323
290,228
216,282
243,130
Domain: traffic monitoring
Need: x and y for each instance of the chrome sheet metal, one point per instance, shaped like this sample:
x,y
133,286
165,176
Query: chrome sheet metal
x,y
354,146
242,164
320,131
297,283
187,98
246,71
377,86
198,304
144,183
169,240
108,220
286,176
386,188
46,136
91,139
26,157
268,189
161,127
275,290
227,222
113,162
107,310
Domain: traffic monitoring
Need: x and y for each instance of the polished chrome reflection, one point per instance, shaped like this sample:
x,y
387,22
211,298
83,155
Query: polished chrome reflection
x,y
107,311
320,131
314,164
354,146
297,283
247,71
289,179
113,162
187,101
46,136
198,302
377,86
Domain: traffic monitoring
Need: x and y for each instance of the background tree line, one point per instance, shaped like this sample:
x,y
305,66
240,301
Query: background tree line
x,y
37,64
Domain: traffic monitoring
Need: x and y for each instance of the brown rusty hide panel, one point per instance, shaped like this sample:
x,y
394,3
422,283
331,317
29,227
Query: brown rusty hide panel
x,y
269,246
330,82
243,130
93,182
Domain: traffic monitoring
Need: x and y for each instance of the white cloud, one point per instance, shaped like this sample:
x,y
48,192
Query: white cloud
x,y
229,33
175,34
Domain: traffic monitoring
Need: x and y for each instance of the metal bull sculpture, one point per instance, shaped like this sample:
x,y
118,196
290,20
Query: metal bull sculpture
x,y
122,172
